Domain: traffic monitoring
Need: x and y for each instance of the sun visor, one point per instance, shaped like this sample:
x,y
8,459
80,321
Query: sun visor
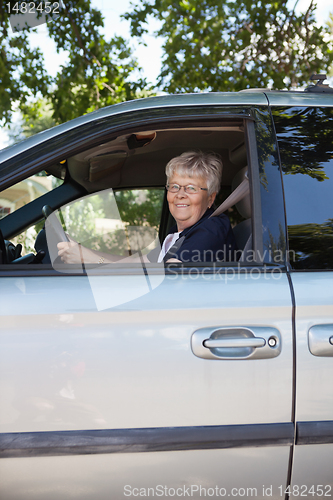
x,y
99,172
106,166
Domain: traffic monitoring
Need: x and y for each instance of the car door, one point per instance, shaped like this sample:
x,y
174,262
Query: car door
x,y
305,140
107,388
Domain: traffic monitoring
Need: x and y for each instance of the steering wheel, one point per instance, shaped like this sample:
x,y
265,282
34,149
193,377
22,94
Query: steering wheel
x,y
11,254
52,221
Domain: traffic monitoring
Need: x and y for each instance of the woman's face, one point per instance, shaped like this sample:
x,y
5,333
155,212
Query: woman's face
x,y
185,208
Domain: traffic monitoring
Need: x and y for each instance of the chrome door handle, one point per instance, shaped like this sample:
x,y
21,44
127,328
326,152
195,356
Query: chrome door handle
x,y
240,342
320,338
230,342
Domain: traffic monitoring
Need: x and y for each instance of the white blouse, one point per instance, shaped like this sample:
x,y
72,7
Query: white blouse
x,y
167,243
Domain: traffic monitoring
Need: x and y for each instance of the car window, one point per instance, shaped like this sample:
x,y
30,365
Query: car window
x,y
21,194
115,222
305,138
114,174
24,192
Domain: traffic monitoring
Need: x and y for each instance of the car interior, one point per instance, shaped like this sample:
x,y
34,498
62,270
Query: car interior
x,y
135,160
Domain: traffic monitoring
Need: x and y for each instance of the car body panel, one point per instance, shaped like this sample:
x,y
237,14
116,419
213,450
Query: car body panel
x,y
99,386
314,391
143,345
132,367
312,468
314,299
298,98
95,476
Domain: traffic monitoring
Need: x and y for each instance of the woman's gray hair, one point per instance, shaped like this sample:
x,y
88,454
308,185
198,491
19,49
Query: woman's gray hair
x,y
197,164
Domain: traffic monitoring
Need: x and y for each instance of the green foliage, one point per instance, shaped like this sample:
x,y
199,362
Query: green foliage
x,y
330,29
208,45
233,45
80,220
99,72
311,245
305,139
22,73
36,117
139,208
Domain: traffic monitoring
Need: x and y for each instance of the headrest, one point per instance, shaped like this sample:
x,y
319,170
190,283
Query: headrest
x,y
244,205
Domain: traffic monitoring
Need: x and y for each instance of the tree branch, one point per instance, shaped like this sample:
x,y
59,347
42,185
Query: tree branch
x,y
79,39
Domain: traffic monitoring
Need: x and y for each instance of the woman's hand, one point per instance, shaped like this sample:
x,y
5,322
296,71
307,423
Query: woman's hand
x,y
70,252
73,253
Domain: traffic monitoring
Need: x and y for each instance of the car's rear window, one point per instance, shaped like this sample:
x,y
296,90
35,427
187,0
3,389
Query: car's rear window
x,y
305,137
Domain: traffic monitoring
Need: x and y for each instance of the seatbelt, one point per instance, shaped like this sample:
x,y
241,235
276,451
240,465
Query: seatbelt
x,y
240,192
175,247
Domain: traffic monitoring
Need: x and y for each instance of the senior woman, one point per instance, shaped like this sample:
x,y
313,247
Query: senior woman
x,y
193,180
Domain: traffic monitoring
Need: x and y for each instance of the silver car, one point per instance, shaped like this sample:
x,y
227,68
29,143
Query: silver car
x,y
187,380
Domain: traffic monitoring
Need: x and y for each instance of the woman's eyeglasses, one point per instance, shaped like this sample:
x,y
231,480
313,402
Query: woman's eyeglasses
x,y
189,189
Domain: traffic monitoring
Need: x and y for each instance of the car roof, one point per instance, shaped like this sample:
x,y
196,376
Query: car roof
x,y
297,98
165,101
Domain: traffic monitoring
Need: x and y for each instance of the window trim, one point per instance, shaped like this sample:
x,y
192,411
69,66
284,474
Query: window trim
x,y
253,172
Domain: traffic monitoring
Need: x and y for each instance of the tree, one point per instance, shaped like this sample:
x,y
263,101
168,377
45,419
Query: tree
x,y
36,118
305,138
311,245
233,45
99,72
330,28
22,73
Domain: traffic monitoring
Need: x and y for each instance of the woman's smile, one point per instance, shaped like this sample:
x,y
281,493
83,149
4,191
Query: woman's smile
x,y
186,208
